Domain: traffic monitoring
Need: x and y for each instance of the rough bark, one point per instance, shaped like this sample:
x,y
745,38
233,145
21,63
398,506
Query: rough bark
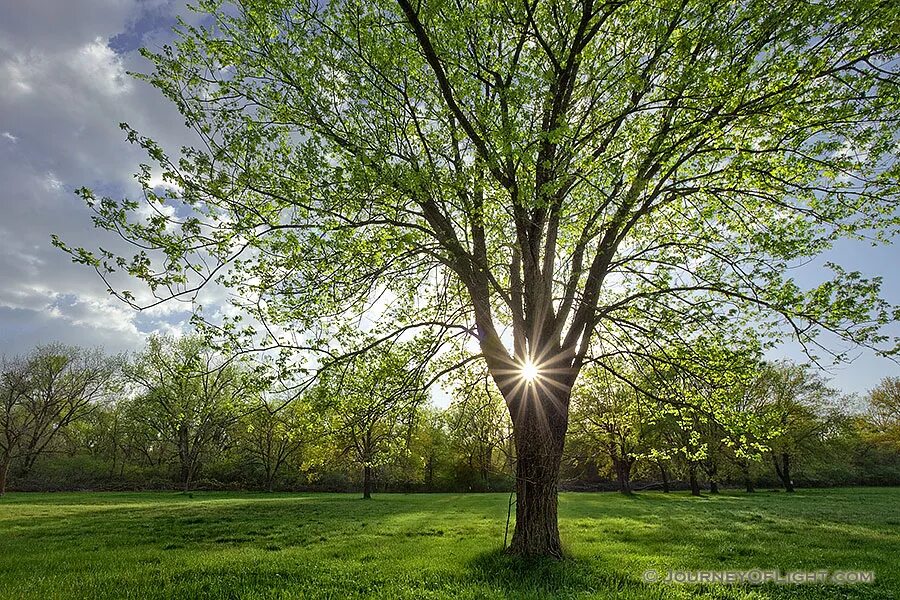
x,y
540,420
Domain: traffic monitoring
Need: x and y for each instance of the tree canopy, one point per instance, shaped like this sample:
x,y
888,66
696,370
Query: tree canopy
x,y
560,181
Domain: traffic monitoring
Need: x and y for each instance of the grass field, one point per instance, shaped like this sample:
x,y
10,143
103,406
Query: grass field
x,y
212,545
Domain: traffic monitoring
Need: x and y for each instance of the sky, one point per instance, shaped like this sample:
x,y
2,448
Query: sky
x,y
64,89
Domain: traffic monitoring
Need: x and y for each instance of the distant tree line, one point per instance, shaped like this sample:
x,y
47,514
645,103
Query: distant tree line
x,y
181,415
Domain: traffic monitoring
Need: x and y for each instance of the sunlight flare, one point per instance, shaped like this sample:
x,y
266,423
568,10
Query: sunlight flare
x,y
529,371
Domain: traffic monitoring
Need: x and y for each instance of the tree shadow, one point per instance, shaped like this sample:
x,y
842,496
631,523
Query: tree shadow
x,y
525,577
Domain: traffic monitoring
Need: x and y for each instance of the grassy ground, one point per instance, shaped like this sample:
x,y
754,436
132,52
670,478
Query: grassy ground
x,y
214,545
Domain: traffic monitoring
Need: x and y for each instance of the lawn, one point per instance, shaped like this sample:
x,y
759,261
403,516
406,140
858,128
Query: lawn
x,y
227,545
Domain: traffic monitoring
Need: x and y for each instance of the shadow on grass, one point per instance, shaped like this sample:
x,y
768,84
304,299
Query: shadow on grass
x,y
274,546
541,578
523,577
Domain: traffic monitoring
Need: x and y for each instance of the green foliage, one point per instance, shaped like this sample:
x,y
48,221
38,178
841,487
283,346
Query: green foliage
x,y
799,408
594,178
480,432
189,413
43,394
578,173
370,403
188,396
612,418
884,403
277,433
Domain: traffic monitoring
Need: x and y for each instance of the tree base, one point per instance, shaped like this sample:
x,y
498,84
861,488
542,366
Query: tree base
x,y
552,550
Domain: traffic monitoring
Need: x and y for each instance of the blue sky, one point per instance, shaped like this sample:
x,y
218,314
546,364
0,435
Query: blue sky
x,y
63,91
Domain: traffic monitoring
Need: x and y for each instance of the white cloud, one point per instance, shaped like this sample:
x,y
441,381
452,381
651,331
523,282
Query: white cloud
x,y
101,67
64,92
15,72
51,183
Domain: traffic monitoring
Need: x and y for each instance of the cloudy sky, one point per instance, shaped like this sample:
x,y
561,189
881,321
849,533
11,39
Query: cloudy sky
x,y
63,92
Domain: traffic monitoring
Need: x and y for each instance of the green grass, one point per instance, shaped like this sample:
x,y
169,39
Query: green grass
x,y
218,545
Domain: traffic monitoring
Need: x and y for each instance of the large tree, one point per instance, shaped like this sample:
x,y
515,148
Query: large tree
x,y
538,174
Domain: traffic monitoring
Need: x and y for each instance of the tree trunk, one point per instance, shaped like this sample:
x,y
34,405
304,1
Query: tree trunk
x,y
665,476
623,474
540,420
27,464
783,470
188,479
185,458
712,474
695,485
185,476
429,473
367,482
748,481
786,472
486,465
4,472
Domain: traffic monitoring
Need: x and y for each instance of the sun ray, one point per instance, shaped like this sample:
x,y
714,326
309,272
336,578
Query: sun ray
x,y
529,371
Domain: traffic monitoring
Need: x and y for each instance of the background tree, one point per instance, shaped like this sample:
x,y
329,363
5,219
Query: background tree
x,y
14,417
614,419
884,411
749,434
276,432
469,445
43,394
369,405
570,170
479,431
142,442
659,453
431,443
697,391
799,408
189,395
